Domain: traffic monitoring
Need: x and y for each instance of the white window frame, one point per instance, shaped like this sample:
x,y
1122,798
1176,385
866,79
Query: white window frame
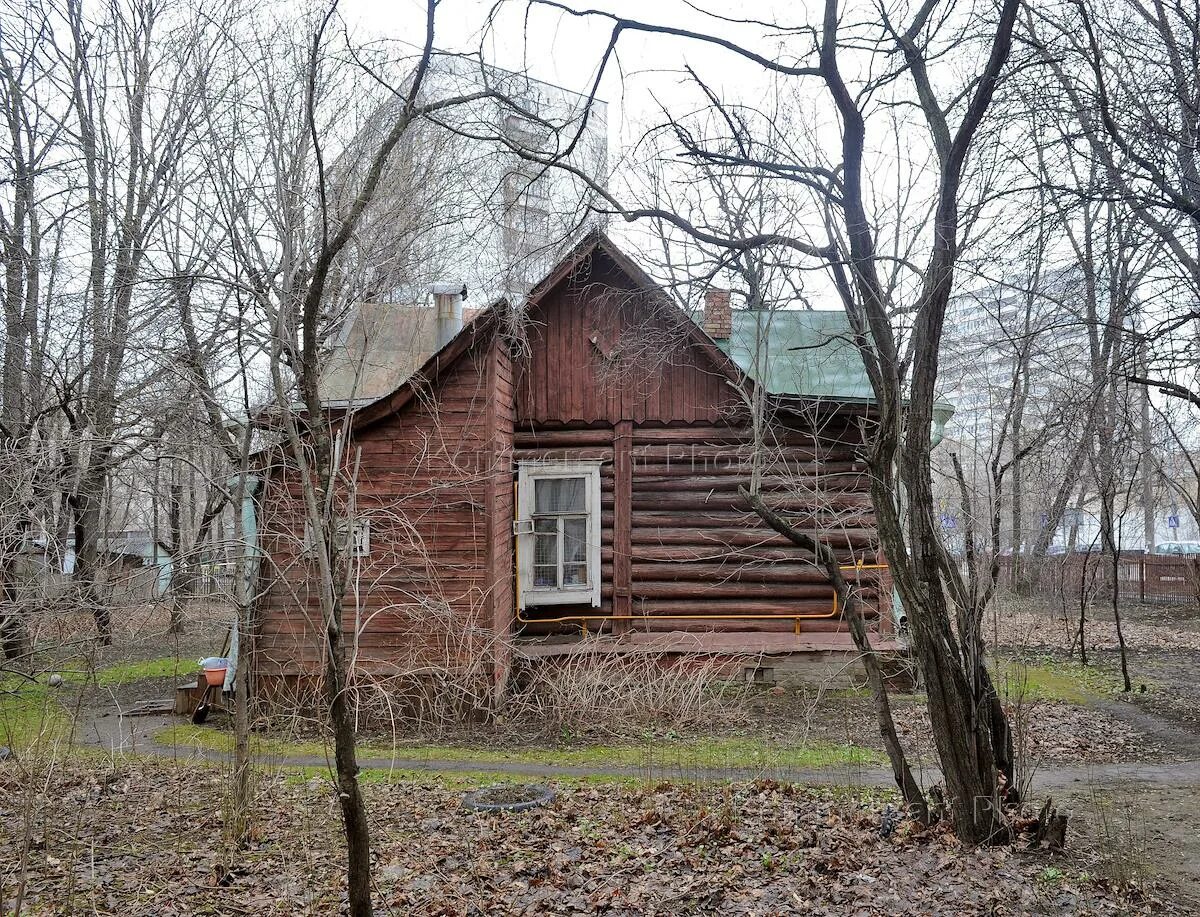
x,y
531,595
359,531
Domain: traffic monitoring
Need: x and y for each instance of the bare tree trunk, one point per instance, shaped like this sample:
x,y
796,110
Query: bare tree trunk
x,y
181,585
87,505
971,608
1147,489
1062,495
245,576
1083,591
852,608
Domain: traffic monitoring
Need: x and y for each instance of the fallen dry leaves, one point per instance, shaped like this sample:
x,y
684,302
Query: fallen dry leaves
x,y
145,839
1144,627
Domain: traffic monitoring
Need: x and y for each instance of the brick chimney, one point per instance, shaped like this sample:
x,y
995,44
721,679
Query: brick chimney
x,y
718,317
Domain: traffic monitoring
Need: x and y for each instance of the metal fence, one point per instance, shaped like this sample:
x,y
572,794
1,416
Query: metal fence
x,y
1140,577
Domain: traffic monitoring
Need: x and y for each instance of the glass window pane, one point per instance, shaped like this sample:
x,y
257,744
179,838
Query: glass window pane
x,y
559,495
545,576
545,550
575,574
545,526
575,540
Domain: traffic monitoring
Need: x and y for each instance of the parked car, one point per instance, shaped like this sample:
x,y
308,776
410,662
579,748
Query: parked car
x,y
1178,547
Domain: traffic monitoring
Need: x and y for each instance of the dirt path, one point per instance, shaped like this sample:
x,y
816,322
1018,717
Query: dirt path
x,y
137,735
1145,815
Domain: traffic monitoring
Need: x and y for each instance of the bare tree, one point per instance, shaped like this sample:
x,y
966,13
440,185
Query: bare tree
x,y
1126,73
298,278
29,237
964,709
121,74
741,204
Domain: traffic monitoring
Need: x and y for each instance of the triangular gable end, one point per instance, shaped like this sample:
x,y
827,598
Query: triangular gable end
x,y
606,344
567,272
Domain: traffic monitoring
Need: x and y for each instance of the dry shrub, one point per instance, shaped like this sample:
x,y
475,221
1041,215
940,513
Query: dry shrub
x,y
599,692
1120,833
437,684
424,700
443,685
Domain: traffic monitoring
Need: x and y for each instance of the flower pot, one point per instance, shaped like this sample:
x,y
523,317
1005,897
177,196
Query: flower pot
x,y
214,670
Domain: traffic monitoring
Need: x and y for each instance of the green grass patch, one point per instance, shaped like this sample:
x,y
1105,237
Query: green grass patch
x,y
1048,679
31,716
122,673
460,779
679,755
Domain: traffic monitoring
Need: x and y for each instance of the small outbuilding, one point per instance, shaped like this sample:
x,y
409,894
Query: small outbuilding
x,y
565,477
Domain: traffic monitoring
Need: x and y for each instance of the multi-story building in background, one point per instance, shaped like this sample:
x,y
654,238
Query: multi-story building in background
x,y
1014,343
1017,365
460,207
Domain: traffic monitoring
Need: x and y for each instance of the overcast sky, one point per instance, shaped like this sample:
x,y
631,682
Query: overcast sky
x,y
566,51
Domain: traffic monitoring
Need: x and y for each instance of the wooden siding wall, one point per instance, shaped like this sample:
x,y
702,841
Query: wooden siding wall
x,y
435,482
605,375
500,511
698,548
609,375
600,353
693,546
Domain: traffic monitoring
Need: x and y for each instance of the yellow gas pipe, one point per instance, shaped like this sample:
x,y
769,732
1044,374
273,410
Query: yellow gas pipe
x,y
583,619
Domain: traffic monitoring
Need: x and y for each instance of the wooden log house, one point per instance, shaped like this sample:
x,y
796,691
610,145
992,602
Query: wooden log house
x,y
567,477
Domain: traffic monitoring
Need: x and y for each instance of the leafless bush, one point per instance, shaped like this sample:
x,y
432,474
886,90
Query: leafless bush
x,y
598,692
1120,836
444,685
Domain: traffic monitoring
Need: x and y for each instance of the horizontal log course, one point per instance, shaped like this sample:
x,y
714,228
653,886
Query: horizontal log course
x,y
736,571
557,439
690,481
702,522
702,592
807,504
594,454
836,625
683,451
731,466
725,554
694,622
733,435
741,537
716,607
752,625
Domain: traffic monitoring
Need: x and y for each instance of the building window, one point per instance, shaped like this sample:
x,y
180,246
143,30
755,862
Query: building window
x,y
353,537
558,533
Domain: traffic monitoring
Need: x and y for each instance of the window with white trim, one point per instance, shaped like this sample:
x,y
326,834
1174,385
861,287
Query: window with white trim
x,y
353,537
558,533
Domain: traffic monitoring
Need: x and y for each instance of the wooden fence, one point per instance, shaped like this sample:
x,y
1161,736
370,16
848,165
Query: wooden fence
x,y
1140,577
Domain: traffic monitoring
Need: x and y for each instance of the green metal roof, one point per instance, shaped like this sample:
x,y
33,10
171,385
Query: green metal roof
x,y
799,352
807,353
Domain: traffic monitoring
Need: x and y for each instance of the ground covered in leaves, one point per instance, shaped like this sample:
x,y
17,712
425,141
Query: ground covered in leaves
x,y
147,839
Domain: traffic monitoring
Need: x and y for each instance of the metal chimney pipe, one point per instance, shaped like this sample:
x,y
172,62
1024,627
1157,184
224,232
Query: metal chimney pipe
x,y
448,308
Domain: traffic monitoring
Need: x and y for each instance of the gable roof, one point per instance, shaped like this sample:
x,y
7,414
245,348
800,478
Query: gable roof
x,y
380,345
808,354
489,321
